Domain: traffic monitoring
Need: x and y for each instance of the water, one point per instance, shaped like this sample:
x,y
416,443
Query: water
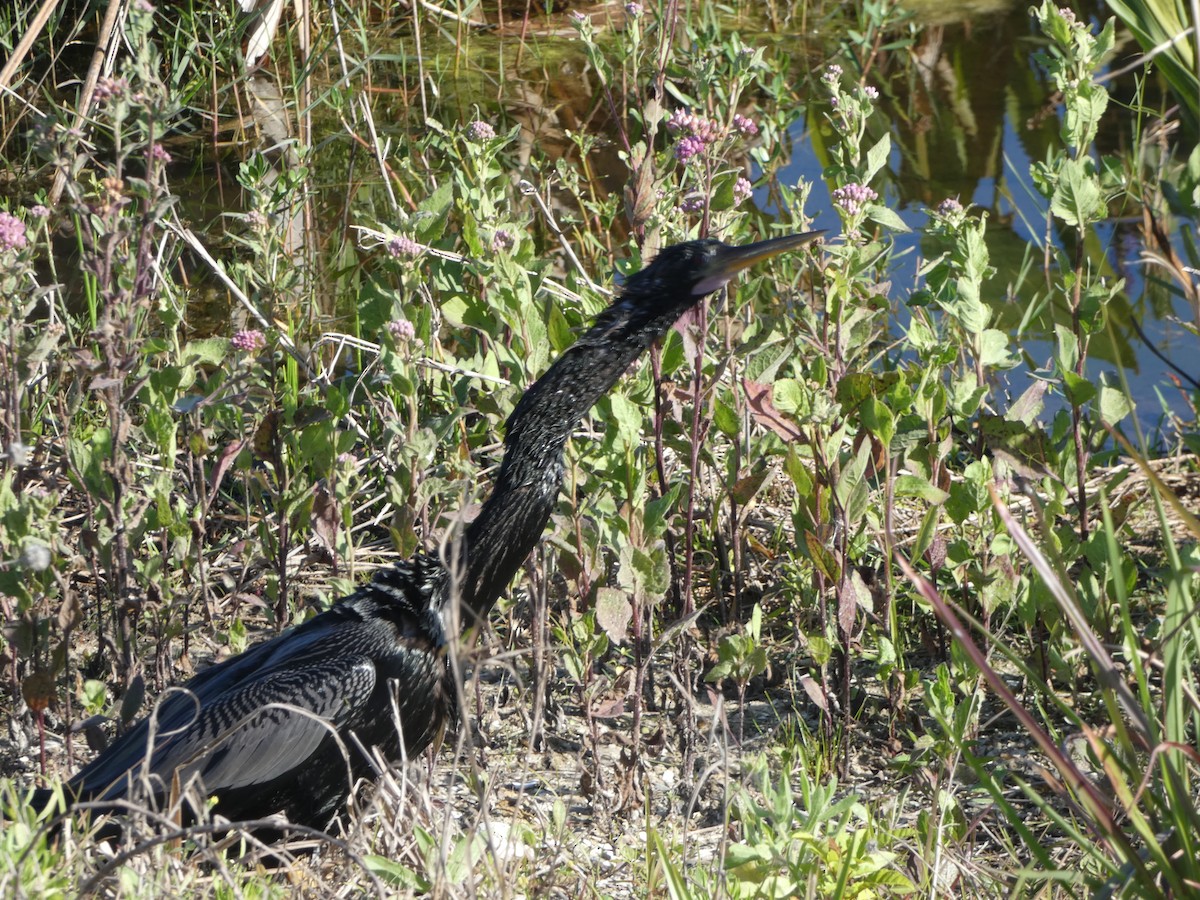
x,y
969,128
968,114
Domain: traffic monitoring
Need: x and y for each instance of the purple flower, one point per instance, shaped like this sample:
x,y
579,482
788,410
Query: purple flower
x,y
634,10
401,330
832,73
12,233
502,241
257,220
688,148
111,89
144,6
1067,14
684,122
159,153
853,197
742,190
745,125
693,205
871,91
249,341
479,131
708,130
39,212
949,207
403,246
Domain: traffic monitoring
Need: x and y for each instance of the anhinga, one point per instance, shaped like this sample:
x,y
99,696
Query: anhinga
x,y
282,726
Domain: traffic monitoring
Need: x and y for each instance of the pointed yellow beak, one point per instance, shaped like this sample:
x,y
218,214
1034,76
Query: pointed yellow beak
x,y
728,261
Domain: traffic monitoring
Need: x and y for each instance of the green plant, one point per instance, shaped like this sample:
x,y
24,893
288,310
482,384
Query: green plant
x,y
806,841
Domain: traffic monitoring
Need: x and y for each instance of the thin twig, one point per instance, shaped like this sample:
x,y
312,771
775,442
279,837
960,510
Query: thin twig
x,y
189,237
530,190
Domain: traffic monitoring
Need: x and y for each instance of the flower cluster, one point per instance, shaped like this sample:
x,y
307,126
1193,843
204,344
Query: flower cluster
x,y
634,10
691,146
853,197
479,131
159,153
502,241
12,233
683,122
697,133
949,207
403,246
745,125
401,330
249,341
111,89
742,191
832,74
949,213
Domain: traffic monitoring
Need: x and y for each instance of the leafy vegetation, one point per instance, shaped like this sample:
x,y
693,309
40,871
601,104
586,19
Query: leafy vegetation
x,y
823,611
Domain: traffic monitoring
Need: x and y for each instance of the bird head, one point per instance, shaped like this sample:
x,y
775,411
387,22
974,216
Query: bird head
x,y
719,262
683,273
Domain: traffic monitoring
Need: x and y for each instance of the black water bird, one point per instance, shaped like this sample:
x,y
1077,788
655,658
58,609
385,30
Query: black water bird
x,y
283,726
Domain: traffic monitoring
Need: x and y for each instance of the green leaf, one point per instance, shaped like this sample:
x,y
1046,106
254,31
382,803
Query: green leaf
x,y
967,307
920,334
918,486
877,157
628,418
879,420
789,396
926,533
887,217
993,349
209,351
1115,404
853,389
558,330
725,418
1076,199
965,395
433,213
1068,348
722,196
1078,389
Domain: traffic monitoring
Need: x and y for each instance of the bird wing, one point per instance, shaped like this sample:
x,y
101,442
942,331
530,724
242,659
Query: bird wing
x,y
251,734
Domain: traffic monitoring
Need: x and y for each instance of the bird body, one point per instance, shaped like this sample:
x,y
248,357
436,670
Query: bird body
x,y
284,726
268,730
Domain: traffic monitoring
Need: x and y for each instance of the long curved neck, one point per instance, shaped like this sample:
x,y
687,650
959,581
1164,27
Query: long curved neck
x,y
514,516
